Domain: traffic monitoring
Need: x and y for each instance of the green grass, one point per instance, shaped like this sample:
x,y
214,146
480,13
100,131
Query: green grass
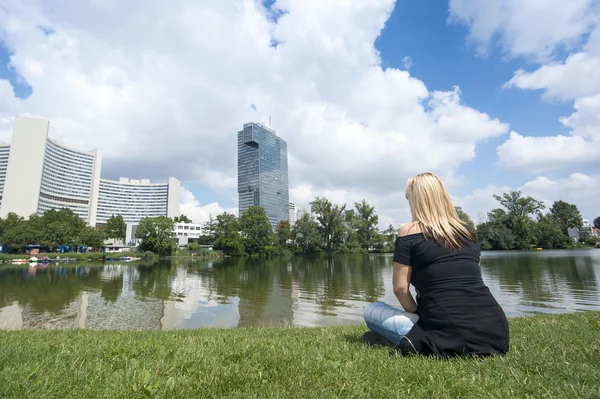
x,y
551,357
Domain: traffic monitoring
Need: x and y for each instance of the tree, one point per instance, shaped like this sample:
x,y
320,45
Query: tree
x,y
226,230
350,234
92,237
495,236
257,232
306,235
115,228
518,217
62,227
182,219
284,233
157,235
597,222
566,216
390,238
367,222
464,217
550,235
331,222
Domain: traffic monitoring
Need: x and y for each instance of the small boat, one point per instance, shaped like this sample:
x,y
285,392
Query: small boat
x,y
19,261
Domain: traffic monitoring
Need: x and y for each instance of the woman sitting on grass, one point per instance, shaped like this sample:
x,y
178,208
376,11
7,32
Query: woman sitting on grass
x,y
455,313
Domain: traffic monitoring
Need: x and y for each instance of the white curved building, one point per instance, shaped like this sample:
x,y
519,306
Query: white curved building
x,y
137,199
38,174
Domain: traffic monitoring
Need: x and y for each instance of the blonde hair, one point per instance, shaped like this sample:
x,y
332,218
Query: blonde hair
x,y
433,212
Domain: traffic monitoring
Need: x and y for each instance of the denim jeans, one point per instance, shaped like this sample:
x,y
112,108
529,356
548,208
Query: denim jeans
x,y
388,321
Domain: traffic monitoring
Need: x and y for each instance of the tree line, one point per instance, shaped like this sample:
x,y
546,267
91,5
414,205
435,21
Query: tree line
x,y
333,228
52,230
519,223
522,223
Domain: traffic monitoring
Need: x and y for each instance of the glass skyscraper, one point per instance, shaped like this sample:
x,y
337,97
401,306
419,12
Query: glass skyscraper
x,y
263,172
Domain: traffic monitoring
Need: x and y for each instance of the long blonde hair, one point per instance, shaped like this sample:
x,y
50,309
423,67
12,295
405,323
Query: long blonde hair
x,y
433,212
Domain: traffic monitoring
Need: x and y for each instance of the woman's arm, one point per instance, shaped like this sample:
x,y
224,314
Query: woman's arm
x,y
401,285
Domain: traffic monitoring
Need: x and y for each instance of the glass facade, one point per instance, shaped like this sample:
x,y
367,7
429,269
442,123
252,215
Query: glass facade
x,y
263,172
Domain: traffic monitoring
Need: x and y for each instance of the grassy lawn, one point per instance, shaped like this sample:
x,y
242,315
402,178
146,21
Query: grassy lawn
x,y
551,357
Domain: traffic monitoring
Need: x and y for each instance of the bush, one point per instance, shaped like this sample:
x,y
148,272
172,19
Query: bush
x,y
592,241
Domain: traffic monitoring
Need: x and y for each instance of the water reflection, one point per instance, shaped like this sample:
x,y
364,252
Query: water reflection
x,y
302,291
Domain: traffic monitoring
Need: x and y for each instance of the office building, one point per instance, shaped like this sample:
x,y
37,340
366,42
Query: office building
x,y
263,172
292,214
4,152
38,174
44,174
135,200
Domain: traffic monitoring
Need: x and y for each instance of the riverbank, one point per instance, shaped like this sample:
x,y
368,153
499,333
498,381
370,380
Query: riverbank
x,y
551,356
79,256
6,259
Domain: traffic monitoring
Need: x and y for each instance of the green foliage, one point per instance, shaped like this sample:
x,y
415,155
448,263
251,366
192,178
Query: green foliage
x,y
366,223
597,222
115,228
157,235
331,222
226,231
50,231
283,232
566,216
182,219
514,227
551,356
193,247
92,237
550,235
592,241
464,217
306,235
257,232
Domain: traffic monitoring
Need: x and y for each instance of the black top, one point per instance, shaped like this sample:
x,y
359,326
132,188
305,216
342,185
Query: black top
x,y
458,313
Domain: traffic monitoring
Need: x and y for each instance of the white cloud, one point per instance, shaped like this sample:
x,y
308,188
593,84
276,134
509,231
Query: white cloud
x,y
538,29
540,154
533,28
197,212
162,88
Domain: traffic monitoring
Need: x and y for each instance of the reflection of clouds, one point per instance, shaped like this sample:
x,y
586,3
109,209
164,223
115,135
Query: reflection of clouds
x,y
11,317
195,307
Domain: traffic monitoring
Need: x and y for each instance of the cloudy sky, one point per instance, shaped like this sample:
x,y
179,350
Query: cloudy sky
x,y
492,95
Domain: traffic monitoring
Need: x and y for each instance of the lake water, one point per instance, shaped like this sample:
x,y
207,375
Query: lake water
x,y
301,291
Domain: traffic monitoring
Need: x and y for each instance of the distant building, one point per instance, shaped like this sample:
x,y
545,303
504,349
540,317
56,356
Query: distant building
x,y
292,214
263,172
186,233
135,200
304,211
38,174
586,231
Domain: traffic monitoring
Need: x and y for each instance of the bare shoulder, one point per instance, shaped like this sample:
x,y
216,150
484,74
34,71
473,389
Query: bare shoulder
x,y
408,229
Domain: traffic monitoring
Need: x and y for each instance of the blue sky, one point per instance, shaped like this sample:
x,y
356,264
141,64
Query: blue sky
x,y
186,107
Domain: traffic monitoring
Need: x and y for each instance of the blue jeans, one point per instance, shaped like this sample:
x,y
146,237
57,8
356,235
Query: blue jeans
x,y
388,321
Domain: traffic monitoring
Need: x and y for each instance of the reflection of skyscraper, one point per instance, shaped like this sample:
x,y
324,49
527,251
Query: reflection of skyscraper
x,y
263,172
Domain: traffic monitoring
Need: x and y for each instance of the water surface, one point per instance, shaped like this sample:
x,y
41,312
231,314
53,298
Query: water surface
x,y
300,291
